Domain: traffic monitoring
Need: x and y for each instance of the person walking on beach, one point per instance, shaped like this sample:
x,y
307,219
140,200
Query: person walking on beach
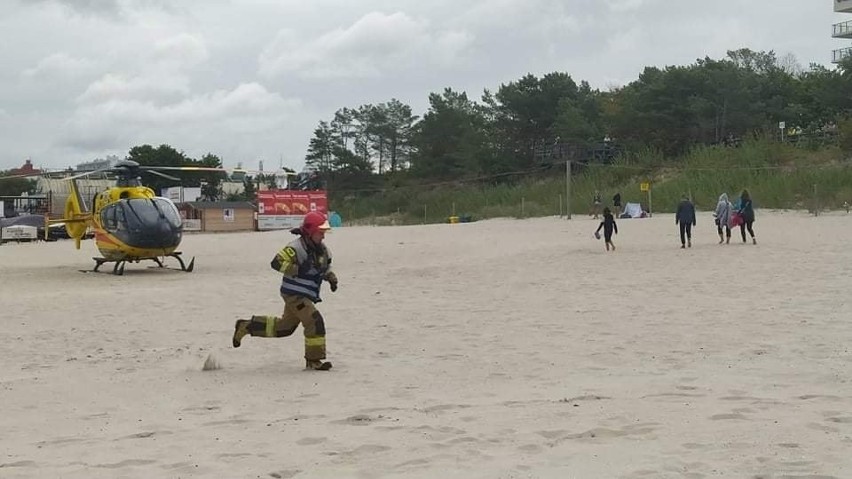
x,y
616,204
305,263
609,227
685,217
746,212
596,204
723,218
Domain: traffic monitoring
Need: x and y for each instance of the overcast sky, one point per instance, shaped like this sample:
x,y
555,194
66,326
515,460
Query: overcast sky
x,y
249,80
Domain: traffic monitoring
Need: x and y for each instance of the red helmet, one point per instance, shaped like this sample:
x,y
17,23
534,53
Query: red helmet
x,y
313,222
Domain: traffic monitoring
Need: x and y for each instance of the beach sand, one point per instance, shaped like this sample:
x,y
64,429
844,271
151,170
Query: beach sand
x,y
495,349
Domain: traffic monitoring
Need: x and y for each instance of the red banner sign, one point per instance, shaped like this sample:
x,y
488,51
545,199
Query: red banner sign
x,y
291,202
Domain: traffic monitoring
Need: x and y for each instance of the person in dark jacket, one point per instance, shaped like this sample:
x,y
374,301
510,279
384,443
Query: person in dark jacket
x,y
746,212
609,227
685,217
616,204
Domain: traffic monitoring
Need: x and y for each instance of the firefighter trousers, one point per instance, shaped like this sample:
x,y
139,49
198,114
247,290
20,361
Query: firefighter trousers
x,y
297,310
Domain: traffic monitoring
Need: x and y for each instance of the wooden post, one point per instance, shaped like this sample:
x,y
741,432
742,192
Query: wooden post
x,y
816,201
568,189
646,187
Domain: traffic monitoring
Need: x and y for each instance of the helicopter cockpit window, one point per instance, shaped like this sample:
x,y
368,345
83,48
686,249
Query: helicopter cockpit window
x,y
145,212
108,217
113,218
120,220
169,210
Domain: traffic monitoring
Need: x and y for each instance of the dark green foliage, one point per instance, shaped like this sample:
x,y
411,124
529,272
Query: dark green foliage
x,y
165,155
15,186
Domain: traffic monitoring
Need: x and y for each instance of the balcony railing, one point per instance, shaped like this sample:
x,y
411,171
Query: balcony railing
x,y
842,30
838,55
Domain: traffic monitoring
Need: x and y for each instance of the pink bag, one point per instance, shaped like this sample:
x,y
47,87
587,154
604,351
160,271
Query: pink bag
x,y
736,219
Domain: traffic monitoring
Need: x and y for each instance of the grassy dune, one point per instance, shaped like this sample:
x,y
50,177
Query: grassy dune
x,y
779,176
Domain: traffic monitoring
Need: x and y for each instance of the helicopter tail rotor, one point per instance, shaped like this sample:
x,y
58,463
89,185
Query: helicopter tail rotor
x,y
77,216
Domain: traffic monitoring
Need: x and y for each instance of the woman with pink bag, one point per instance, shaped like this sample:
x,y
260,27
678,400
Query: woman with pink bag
x,y
746,216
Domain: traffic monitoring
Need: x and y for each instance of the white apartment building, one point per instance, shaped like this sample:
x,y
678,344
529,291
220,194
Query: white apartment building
x,y
842,30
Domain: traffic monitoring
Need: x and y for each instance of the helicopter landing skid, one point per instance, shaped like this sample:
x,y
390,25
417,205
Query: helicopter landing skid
x,y
118,267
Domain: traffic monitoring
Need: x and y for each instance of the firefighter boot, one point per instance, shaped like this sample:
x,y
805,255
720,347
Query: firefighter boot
x,y
241,329
317,365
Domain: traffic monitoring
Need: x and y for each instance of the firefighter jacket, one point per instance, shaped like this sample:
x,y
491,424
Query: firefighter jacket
x,y
304,266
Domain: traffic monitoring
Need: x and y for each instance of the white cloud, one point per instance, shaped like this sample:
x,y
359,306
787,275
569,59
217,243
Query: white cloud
x,y
105,8
113,87
182,51
375,45
59,66
97,7
621,6
115,123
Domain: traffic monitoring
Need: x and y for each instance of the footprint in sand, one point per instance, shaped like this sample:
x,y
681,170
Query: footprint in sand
x,y
145,435
18,464
599,433
840,420
126,463
357,420
727,417
530,448
286,474
369,449
310,441
806,476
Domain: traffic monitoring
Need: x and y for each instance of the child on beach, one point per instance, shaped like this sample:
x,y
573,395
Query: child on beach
x,y
609,227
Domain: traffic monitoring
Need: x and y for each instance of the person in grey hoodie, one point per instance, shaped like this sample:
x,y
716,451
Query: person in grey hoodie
x,y
723,218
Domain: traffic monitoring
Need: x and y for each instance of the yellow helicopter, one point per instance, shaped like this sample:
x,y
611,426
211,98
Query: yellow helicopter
x,y
129,221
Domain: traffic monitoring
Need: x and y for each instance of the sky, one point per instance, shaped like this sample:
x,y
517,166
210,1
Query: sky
x,y
249,80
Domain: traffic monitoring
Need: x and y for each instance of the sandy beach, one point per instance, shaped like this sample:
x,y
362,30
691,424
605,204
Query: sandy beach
x,y
495,349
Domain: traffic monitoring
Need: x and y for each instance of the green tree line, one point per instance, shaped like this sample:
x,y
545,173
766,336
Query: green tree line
x,y
667,110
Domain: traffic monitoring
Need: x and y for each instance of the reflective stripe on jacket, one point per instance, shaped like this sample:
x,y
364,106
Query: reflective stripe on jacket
x,y
303,267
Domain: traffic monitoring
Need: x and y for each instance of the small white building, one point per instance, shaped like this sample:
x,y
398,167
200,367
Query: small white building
x,y
182,194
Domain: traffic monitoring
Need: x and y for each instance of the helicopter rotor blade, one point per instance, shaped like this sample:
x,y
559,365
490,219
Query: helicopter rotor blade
x,y
183,168
168,177
12,177
88,173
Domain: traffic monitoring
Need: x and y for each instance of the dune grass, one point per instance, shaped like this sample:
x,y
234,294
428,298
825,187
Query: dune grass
x,y
778,176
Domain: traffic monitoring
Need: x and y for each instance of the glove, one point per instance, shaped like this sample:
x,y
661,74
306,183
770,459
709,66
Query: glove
x,y
332,280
